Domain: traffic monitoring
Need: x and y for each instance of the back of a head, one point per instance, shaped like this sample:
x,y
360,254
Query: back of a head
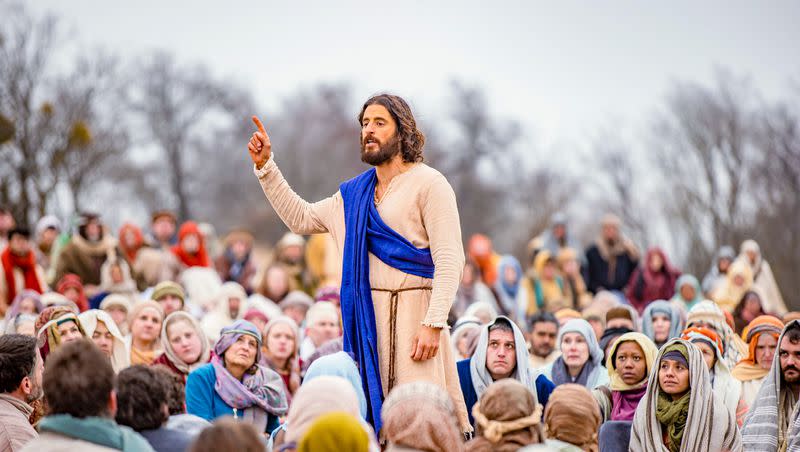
x,y
228,434
333,432
176,389
78,380
142,396
17,360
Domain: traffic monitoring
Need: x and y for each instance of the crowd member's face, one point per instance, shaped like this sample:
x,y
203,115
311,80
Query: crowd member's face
x,y
501,356
190,243
630,362
574,349
120,316
656,263
280,341
325,329
752,256
48,236
234,304
738,280
147,325
184,341
688,292
72,294
379,140
765,350
242,353
752,304
170,303
661,325
69,332
463,343
510,275
163,229
789,354
610,232
292,254
27,306
723,265
116,274
559,231
673,378
239,249
93,231
35,391
709,356
129,239
543,338
620,323
277,281
295,313
571,267
7,222
103,338
549,271
19,245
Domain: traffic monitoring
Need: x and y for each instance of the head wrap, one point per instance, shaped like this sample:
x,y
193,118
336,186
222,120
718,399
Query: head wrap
x,y
200,257
593,370
665,308
507,417
26,294
339,364
707,424
747,369
47,328
319,396
572,416
72,281
205,349
421,415
708,312
482,379
334,432
119,354
165,288
649,351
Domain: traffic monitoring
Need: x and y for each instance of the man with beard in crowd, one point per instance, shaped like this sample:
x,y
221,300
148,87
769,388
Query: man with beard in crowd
x,y
544,330
398,228
20,385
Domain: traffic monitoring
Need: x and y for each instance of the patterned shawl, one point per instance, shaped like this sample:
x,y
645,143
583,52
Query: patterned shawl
x,y
762,431
709,426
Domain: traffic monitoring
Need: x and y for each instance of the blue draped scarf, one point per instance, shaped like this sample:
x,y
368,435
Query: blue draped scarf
x,y
365,232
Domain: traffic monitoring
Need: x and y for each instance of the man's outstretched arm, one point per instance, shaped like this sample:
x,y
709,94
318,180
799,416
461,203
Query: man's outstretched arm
x,y
300,216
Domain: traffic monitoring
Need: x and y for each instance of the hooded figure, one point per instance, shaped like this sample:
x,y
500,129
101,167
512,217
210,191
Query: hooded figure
x,y
421,416
48,332
512,298
191,247
738,281
119,354
750,371
171,358
654,279
698,421
715,275
708,314
687,285
231,306
508,418
475,377
773,423
592,374
727,388
548,286
763,279
658,311
618,400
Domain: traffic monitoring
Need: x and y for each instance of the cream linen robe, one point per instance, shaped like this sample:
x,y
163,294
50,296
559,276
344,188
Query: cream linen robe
x,y
420,205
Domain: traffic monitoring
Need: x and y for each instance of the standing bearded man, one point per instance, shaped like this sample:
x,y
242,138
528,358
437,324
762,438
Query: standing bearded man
x,y
397,228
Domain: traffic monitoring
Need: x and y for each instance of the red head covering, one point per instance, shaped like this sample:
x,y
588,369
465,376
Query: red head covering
x,y
73,281
130,253
27,264
198,259
481,252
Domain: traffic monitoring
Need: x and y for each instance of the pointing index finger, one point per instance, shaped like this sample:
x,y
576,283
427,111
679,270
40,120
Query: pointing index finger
x,y
258,124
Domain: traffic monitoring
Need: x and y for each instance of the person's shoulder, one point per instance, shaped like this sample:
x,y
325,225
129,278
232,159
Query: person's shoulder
x,y
55,441
203,372
544,382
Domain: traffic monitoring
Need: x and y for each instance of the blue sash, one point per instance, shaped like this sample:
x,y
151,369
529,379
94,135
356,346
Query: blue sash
x,y
365,232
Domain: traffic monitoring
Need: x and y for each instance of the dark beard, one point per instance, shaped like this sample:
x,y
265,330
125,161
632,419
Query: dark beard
x,y
385,153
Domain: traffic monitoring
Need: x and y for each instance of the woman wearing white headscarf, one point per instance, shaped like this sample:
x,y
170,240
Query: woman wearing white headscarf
x,y
661,321
103,331
677,415
465,329
708,314
231,304
185,345
763,279
581,359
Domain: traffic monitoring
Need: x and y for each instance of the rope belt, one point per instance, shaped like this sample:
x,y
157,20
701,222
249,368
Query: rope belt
x,y
393,298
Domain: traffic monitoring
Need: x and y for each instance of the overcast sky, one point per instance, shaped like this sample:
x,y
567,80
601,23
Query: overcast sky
x,y
565,69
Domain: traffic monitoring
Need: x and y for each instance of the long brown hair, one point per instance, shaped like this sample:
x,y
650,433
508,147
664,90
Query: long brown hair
x,y
411,139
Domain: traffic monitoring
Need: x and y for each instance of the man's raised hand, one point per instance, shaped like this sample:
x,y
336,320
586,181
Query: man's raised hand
x,y
259,146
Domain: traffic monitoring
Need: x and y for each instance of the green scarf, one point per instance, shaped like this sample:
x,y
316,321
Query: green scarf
x,y
673,415
96,430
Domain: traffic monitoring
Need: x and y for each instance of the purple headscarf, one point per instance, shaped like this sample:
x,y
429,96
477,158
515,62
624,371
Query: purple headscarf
x,y
13,310
260,386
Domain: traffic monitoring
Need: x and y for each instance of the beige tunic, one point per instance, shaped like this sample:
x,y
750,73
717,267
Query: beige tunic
x,y
420,205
